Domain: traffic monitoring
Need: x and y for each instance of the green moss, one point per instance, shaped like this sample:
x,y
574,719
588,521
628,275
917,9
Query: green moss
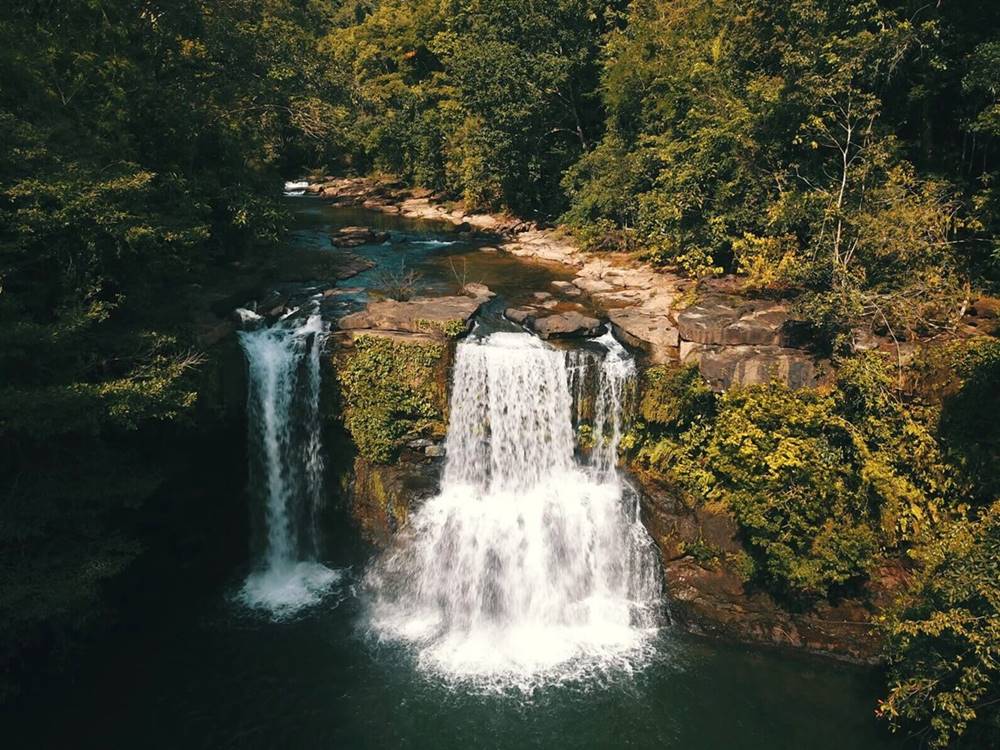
x,y
392,389
449,328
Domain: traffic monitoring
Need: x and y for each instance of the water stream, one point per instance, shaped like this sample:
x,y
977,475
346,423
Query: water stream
x,y
286,464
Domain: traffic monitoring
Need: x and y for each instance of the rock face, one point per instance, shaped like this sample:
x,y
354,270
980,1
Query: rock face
x,y
355,236
565,325
726,366
655,334
382,496
709,597
728,321
436,316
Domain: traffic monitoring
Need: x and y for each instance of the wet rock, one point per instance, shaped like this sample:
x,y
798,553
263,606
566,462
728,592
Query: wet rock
x,y
541,296
383,496
434,451
565,325
652,333
726,366
733,322
356,236
244,319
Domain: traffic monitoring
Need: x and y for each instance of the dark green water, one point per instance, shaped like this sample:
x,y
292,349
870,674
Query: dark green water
x,y
199,672
214,677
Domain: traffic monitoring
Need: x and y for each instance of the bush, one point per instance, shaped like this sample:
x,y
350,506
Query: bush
x,y
943,638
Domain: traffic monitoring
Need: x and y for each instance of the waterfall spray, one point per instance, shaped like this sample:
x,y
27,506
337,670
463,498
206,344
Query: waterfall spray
x,y
531,563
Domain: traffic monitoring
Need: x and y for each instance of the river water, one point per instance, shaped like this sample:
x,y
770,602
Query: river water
x,y
521,609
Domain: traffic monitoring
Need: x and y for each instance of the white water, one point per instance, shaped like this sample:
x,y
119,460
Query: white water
x,y
296,188
530,565
286,464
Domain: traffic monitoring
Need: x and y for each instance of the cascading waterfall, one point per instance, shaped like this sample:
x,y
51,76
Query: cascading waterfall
x,y
286,464
531,563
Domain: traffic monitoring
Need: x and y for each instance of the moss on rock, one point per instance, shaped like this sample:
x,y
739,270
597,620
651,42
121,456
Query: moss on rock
x,y
392,388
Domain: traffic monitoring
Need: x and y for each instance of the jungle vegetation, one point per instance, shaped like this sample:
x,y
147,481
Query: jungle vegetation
x,y
844,155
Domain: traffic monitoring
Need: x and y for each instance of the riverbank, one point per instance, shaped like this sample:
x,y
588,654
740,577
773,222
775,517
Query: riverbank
x,y
664,319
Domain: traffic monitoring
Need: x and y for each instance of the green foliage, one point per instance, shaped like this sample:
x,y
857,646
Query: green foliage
x,y
391,390
820,483
943,638
142,143
961,380
488,100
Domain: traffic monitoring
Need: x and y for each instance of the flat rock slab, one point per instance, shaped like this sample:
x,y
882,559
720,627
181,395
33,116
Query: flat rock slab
x,y
654,334
590,285
733,322
565,325
727,366
444,316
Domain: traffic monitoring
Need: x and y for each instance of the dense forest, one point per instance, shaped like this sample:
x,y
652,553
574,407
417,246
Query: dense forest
x,y
843,155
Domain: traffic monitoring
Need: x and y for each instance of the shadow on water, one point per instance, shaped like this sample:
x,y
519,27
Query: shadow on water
x,y
444,258
207,674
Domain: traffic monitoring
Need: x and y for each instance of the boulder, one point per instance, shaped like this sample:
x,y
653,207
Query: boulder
x,y
478,291
355,236
654,334
565,325
733,322
520,315
726,366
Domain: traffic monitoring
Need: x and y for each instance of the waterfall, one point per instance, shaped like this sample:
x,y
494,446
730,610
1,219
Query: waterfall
x,y
531,563
286,464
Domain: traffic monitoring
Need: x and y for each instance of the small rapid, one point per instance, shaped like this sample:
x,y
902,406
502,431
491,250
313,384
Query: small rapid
x,y
530,565
286,465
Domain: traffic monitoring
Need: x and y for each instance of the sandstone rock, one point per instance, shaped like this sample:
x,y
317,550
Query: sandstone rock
x,y
355,236
478,291
565,288
564,325
434,451
591,286
437,316
733,322
689,351
654,334
520,315
726,366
